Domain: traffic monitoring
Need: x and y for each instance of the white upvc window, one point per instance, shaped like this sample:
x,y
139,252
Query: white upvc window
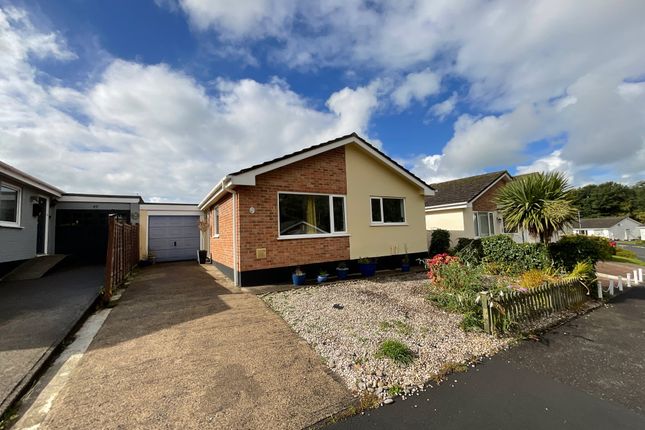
x,y
304,215
215,221
10,203
387,210
484,223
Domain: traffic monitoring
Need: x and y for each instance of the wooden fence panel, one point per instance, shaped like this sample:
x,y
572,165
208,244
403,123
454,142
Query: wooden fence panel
x,y
121,254
515,308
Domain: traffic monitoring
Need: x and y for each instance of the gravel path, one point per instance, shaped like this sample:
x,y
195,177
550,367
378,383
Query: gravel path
x,y
373,310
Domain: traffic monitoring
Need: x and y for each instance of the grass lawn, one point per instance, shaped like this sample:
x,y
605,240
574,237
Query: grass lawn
x,y
620,259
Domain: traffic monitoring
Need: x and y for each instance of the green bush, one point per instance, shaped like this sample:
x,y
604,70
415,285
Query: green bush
x,y
469,251
396,351
570,250
439,242
508,257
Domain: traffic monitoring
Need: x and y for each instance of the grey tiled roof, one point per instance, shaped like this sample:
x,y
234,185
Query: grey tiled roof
x,y
462,190
605,222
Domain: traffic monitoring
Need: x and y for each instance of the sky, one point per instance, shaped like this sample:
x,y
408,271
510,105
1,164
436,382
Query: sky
x,y
163,98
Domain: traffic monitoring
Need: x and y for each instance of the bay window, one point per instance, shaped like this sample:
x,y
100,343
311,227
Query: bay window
x,y
311,214
387,210
484,224
9,205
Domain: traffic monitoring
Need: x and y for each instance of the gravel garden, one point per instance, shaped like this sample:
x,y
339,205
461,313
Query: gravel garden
x,y
382,335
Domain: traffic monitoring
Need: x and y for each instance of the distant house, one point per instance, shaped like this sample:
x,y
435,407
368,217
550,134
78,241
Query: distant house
x,y
615,228
333,202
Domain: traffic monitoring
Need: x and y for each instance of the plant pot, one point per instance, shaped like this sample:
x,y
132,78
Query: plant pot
x,y
405,267
342,273
321,278
298,279
201,256
367,269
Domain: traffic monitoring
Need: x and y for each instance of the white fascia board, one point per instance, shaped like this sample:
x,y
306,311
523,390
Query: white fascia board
x,y
248,178
169,207
24,178
96,199
216,193
460,205
155,212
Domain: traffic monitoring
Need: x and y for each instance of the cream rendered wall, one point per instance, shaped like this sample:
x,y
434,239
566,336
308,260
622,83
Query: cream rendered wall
x,y
452,219
366,177
143,233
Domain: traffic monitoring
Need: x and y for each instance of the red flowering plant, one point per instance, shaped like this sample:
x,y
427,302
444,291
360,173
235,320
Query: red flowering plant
x,y
434,265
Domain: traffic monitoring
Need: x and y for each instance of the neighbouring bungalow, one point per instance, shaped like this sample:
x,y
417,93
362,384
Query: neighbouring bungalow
x,y
333,202
614,228
466,207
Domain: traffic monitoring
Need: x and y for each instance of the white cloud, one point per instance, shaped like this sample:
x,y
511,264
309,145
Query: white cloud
x,y
549,163
442,109
416,86
154,130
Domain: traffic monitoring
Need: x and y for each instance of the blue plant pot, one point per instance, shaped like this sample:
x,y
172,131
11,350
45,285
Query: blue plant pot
x,y
367,269
298,279
405,267
321,278
342,273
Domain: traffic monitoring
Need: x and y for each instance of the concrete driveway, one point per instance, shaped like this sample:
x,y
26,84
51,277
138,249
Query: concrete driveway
x,y
35,316
184,349
585,374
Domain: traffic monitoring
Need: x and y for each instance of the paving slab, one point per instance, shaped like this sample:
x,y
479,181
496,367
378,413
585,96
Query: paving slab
x,y
182,350
35,316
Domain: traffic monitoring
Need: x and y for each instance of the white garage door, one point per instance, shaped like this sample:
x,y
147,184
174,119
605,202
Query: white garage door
x,y
173,238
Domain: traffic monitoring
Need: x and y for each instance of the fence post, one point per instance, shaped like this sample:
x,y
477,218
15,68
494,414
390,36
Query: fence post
x,y
620,284
640,275
636,277
611,287
629,280
600,290
109,260
486,312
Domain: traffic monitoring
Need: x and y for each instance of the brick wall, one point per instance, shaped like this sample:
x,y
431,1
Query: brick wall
x,y
486,202
323,173
222,246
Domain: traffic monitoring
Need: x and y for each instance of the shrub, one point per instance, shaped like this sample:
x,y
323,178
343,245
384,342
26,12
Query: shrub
x,y
396,351
469,251
533,278
570,250
433,264
439,242
505,256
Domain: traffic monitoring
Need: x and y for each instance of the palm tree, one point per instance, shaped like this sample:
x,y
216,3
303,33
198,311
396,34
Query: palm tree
x,y
540,203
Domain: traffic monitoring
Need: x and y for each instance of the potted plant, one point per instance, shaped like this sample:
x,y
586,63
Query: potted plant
x,y
204,226
367,266
322,276
298,277
342,270
405,263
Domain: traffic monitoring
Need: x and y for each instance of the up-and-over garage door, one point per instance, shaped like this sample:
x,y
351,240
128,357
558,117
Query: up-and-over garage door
x,y
173,238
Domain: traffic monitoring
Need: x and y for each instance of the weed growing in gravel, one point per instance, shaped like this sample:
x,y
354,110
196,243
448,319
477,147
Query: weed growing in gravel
x,y
398,325
394,390
396,351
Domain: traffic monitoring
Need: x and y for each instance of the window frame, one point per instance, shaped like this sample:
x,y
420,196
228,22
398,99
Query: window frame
x,y
491,223
215,221
332,225
18,190
382,222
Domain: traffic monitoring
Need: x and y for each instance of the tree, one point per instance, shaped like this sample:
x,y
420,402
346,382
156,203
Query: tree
x,y
540,203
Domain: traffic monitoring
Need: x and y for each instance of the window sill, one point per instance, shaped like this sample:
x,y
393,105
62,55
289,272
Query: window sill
x,y
16,226
216,236
388,224
313,236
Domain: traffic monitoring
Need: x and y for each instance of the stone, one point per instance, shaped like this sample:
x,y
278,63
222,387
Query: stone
x,y
388,401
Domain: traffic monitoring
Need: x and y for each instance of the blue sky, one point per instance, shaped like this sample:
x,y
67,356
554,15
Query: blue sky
x,y
163,98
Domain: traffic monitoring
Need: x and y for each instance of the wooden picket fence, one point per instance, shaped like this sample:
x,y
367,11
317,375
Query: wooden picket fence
x,y
122,253
515,308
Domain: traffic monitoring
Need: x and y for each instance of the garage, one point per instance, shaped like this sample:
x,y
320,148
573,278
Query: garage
x,y
173,238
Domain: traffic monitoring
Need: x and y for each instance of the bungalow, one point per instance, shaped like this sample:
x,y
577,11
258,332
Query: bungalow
x,y
333,202
26,216
614,228
466,207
